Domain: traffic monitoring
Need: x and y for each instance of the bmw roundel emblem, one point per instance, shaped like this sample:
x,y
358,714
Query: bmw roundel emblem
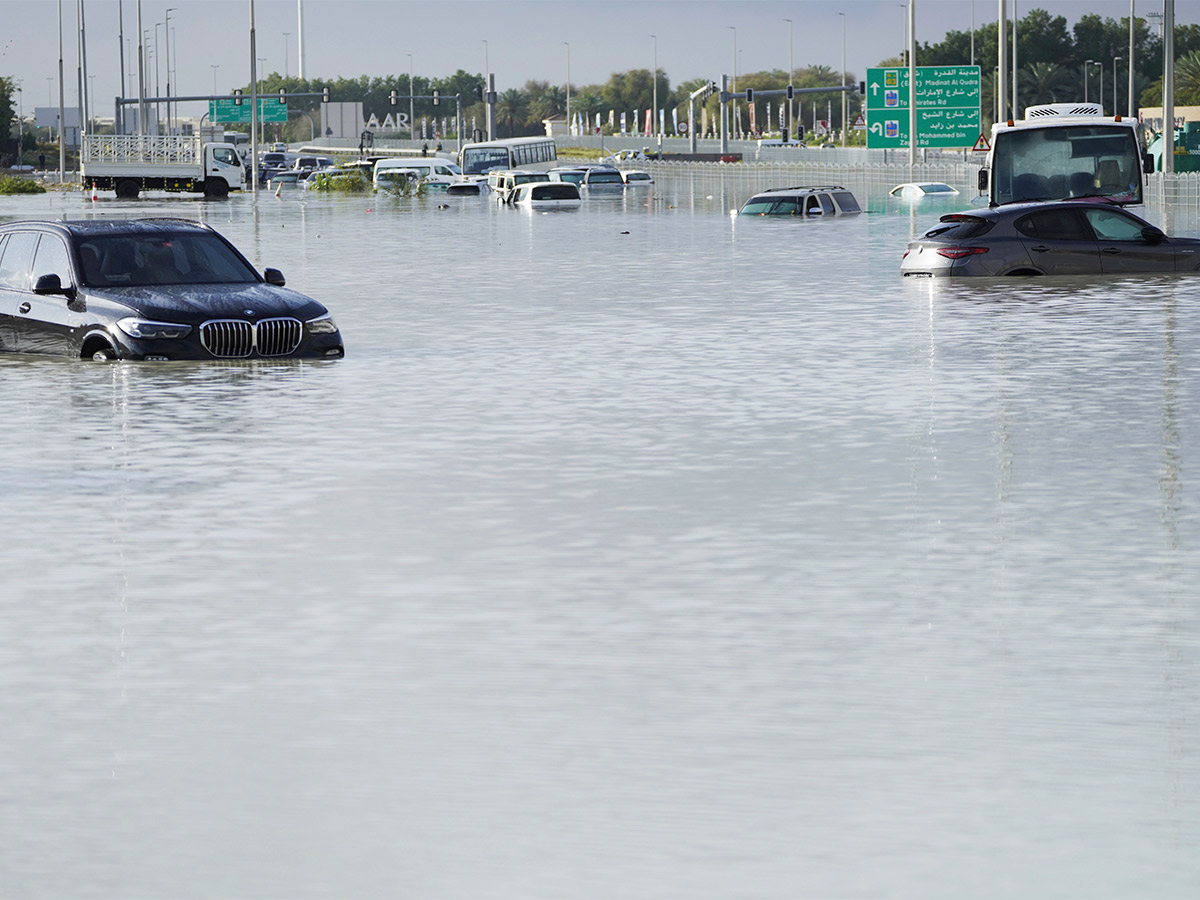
x,y
248,312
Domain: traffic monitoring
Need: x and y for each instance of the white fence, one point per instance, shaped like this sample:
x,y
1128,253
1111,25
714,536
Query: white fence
x,y
1177,192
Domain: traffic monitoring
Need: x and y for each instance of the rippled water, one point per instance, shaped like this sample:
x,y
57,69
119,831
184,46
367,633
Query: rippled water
x,y
631,552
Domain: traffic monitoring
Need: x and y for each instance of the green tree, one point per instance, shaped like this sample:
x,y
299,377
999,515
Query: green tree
x,y
512,107
7,113
1043,82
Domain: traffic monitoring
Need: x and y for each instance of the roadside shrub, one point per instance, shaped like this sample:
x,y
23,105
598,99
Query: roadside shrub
x,y
351,182
10,184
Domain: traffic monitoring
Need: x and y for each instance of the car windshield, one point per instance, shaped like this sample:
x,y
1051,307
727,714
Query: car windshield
x,y
773,206
958,227
138,260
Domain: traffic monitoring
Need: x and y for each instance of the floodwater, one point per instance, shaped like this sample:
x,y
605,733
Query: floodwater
x,y
631,552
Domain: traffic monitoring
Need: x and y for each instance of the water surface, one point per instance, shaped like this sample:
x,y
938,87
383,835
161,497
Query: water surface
x,y
636,551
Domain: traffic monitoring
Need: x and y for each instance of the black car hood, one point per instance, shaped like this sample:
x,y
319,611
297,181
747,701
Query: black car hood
x,y
195,303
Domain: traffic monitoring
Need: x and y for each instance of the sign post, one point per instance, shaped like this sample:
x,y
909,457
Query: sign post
x,y
270,109
947,107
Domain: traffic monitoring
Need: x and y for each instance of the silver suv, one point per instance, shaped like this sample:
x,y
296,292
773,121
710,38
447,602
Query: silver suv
x,y
822,200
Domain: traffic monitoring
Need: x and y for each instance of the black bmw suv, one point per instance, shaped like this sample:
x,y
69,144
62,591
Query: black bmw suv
x,y
153,289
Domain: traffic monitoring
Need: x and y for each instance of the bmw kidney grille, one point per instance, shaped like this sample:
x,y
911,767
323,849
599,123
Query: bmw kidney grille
x,y
233,338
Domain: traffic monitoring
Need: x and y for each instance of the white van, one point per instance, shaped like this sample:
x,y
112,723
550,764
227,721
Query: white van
x,y
433,170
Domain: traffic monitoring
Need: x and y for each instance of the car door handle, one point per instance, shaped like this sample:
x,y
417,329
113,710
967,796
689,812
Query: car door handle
x,y
1040,248
1111,250
24,307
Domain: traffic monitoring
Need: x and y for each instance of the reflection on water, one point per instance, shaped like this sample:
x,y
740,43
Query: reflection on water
x,y
633,551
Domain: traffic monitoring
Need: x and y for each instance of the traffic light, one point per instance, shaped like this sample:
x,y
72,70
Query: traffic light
x,y
392,98
324,95
791,92
479,90
237,97
862,89
437,97
749,95
282,96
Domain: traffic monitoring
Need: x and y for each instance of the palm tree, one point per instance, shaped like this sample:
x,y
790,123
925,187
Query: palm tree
x,y
1187,78
512,107
1045,82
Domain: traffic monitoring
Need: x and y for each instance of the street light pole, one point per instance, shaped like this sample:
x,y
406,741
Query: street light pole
x,y
487,93
736,117
412,122
654,93
167,35
842,80
214,67
1087,65
286,35
1100,65
791,70
1116,59
568,46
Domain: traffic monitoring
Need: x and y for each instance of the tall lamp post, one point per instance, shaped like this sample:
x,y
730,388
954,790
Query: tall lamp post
x,y
214,67
654,92
412,122
842,79
568,46
1100,65
286,35
737,119
791,69
1087,67
1116,110
167,35
487,93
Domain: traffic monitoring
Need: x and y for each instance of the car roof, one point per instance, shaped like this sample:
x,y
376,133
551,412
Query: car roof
x,y
92,227
803,189
1016,209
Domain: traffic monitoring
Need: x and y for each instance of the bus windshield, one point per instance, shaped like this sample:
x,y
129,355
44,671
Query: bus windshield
x,y
510,153
479,160
1066,161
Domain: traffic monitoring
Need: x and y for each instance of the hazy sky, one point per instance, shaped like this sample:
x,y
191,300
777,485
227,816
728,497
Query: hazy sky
x,y
525,39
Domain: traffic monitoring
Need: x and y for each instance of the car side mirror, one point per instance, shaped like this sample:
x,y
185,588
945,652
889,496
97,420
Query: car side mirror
x,y
49,284
275,277
1147,162
983,179
1153,235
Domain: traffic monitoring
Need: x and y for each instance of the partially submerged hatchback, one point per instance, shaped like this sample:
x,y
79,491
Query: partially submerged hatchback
x,y
149,289
547,195
819,200
1059,238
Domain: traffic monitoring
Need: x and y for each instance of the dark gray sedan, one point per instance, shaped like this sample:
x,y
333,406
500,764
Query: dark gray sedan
x,y
1064,238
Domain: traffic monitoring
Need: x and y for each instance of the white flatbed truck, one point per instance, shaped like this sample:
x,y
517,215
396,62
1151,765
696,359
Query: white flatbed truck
x,y
130,163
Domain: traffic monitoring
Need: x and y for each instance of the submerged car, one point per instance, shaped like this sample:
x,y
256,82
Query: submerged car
x,y
915,190
603,177
823,200
546,194
637,176
1069,237
149,289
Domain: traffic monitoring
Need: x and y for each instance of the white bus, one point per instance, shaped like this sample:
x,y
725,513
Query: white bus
x,y
1064,150
511,153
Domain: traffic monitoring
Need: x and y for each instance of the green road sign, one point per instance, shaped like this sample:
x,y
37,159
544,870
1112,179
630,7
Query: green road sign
x,y
270,109
947,106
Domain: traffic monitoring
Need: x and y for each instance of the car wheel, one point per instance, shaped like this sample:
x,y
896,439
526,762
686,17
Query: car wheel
x,y
104,354
127,189
216,188
1026,272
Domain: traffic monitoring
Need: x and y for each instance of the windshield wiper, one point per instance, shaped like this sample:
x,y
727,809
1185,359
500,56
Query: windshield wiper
x,y
1107,197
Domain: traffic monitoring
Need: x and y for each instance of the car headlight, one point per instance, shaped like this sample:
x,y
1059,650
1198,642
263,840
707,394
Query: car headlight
x,y
321,325
148,330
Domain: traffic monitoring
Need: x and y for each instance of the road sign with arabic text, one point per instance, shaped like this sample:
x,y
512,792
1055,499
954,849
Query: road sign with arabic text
x,y
947,106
